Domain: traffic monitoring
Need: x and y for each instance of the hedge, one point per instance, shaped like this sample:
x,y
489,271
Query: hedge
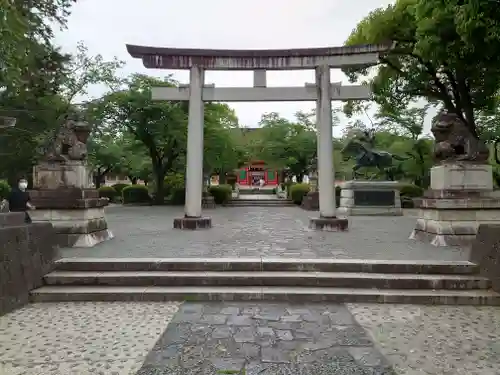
x,y
174,188
298,191
411,191
107,192
4,189
119,188
136,194
221,193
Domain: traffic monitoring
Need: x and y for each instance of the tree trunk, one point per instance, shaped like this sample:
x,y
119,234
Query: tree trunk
x,y
222,177
159,179
99,178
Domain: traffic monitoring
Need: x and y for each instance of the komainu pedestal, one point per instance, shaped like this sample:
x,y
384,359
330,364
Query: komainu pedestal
x,y
62,191
461,195
361,197
461,198
76,214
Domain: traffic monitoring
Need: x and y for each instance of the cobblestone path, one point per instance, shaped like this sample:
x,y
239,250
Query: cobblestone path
x,y
264,339
259,231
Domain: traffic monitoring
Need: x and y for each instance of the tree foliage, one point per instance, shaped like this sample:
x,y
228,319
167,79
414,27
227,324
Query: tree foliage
x,y
446,52
26,32
158,129
286,144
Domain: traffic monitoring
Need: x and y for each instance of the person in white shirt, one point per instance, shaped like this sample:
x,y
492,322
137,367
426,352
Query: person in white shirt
x,y
262,183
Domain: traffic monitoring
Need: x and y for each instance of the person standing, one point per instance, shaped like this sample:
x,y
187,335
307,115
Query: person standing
x,y
19,199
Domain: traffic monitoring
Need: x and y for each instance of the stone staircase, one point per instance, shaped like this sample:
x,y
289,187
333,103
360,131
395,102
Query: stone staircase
x,y
297,280
249,202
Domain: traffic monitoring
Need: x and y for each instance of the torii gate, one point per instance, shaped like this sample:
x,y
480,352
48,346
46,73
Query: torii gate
x,y
322,91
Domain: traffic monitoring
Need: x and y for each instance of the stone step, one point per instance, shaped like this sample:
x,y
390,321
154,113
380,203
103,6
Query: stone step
x,y
271,279
289,294
267,264
259,201
259,204
257,192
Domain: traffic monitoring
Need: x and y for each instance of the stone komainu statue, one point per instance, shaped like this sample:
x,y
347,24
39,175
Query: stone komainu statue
x,y
70,142
454,141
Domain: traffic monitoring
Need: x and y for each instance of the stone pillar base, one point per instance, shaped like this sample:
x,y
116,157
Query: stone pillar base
x,y
329,224
311,201
440,240
77,215
376,198
193,223
452,218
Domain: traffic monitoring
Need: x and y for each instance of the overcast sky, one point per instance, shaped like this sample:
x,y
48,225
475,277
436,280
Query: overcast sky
x,y
105,26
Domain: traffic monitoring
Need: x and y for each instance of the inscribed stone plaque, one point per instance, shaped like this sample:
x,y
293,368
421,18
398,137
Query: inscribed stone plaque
x,y
373,198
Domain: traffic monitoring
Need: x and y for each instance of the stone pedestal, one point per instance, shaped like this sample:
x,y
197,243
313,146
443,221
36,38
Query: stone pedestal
x,y
76,214
63,197
370,198
329,224
193,223
460,198
310,202
71,174
485,252
208,202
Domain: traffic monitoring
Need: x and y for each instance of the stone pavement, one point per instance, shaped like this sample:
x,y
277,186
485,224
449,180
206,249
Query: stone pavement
x,y
264,339
259,231
130,338
435,340
80,338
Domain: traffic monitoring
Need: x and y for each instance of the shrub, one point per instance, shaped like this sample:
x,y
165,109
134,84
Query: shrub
x,y
174,188
4,189
411,191
119,188
178,196
298,191
221,193
107,192
136,194
274,190
407,202
288,187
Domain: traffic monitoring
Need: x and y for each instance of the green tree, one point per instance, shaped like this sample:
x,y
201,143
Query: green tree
x,y
26,34
160,126
105,155
41,103
221,154
286,144
408,124
445,52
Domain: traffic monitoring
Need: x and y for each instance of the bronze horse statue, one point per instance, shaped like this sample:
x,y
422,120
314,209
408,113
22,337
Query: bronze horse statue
x,y
366,157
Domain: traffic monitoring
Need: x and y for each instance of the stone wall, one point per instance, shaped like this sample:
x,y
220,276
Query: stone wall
x,y
27,253
485,252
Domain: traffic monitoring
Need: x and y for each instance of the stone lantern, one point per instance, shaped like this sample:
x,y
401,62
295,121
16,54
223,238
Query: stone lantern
x,y
311,200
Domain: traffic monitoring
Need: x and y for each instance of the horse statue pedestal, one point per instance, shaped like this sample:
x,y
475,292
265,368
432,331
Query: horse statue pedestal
x,y
361,197
460,198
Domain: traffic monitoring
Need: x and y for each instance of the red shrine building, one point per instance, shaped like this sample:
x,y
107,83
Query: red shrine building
x,y
251,174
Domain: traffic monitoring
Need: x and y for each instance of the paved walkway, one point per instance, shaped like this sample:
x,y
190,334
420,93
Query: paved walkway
x,y
259,231
266,339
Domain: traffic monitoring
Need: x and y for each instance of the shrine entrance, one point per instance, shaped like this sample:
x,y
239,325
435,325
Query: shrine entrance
x,y
322,91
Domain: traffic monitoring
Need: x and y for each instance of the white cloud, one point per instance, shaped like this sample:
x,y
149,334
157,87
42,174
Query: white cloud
x,y
106,26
